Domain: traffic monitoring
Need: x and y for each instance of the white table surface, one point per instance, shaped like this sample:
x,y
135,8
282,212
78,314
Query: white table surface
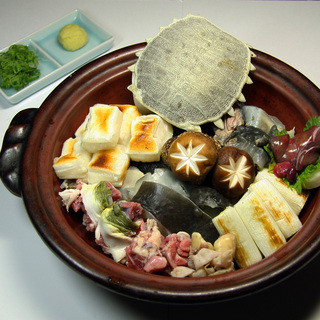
x,y
34,283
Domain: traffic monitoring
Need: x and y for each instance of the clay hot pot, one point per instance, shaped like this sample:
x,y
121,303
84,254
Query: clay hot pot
x,y
35,137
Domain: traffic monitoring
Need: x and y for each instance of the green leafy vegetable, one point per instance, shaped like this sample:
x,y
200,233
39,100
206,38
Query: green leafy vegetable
x,y
305,175
103,194
118,219
18,67
314,121
272,162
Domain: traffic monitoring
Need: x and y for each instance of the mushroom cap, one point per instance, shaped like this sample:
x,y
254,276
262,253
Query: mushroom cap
x,y
233,172
191,155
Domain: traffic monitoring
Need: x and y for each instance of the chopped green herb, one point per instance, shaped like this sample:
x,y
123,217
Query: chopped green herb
x,y
18,67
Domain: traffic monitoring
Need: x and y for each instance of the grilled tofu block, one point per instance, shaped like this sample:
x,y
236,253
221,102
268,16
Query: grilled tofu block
x,y
81,128
247,252
260,224
109,165
73,161
130,113
102,129
295,200
281,212
148,135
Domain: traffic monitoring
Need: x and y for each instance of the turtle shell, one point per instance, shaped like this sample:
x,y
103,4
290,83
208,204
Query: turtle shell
x,y
191,73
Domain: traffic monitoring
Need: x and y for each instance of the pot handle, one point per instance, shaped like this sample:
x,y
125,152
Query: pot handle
x,y
13,146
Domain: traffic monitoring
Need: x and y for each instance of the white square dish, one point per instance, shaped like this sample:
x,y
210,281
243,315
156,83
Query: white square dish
x,y
54,60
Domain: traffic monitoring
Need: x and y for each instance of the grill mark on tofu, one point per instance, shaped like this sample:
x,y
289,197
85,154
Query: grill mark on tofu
x,y
105,160
142,142
143,137
68,148
102,119
146,126
65,159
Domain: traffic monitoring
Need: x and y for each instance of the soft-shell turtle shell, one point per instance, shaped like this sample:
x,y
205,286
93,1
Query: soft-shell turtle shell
x,y
191,73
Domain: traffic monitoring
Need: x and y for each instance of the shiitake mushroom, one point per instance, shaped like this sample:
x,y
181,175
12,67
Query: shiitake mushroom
x,y
191,156
233,172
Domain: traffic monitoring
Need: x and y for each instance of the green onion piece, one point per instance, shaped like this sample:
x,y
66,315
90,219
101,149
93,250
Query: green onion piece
x,y
18,67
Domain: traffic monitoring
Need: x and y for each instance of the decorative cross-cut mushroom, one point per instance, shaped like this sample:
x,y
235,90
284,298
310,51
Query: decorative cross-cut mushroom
x,y
191,156
233,172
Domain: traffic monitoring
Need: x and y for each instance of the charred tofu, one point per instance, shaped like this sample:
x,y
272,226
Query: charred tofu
x,y
148,135
73,161
102,129
130,113
109,165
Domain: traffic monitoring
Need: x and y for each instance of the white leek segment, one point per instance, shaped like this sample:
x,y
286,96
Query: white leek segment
x,y
260,224
228,221
281,212
294,199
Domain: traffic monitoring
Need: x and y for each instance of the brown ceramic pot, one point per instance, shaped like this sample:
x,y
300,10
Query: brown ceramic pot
x,y
277,88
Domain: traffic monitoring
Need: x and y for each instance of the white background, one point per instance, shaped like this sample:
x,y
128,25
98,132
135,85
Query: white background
x,y
34,283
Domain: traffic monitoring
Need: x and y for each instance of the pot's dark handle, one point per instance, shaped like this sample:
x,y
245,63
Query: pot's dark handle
x,y
14,142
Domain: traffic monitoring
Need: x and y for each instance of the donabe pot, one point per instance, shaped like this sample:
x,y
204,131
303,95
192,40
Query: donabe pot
x,y
277,88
